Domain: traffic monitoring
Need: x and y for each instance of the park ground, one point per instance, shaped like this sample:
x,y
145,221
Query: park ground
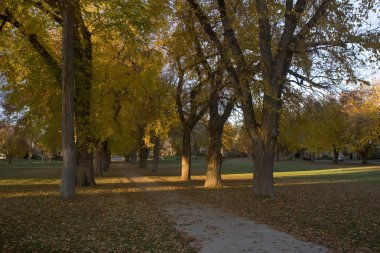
x,y
337,206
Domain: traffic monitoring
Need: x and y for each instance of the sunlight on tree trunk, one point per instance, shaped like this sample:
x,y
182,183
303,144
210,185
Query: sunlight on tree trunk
x,y
186,156
214,159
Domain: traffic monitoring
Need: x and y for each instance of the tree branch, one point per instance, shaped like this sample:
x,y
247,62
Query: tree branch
x,y
179,90
320,12
32,38
48,12
229,34
304,78
265,38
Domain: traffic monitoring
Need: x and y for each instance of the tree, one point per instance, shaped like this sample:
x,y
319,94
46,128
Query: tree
x,y
291,39
68,144
330,122
12,141
191,109
362,107
220,105
93,23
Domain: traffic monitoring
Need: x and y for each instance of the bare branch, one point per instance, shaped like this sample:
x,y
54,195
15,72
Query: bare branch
x,y
304,78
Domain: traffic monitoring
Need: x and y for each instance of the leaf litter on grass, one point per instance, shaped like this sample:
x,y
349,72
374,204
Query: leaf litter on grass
x,y
342,216
110,217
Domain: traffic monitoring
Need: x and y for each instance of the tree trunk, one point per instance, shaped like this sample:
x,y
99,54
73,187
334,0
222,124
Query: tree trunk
x,y
364,156
336,155
186,156
85,171
143,156
156,153
83,87
214,158
9,158
263,169
105,156
97,162
68,144
133,157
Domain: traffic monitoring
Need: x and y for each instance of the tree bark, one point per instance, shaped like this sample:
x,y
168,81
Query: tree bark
x,y
133,156
143,157
263,169
215,130
186,156
214,157
9,158
83,87
68,144
85,171
97,162
127,158
105,156
156,153
364,156
336,155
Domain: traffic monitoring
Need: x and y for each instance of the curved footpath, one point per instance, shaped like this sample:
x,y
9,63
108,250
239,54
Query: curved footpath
x,y
215,231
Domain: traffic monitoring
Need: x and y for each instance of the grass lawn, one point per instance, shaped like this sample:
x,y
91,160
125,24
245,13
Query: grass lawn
x,y
334,205
111,217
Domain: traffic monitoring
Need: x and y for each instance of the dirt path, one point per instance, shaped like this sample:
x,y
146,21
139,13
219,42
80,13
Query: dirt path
x,y
215,231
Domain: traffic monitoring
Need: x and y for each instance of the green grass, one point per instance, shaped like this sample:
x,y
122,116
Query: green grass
x,y
23,169
292,170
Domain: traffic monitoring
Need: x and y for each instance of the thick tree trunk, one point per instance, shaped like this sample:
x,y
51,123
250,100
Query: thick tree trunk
x,y
105,156
143,157
214,158
68,144
336,155
97,162
85,171
133,157
186,156
156,153
83,87
263,169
